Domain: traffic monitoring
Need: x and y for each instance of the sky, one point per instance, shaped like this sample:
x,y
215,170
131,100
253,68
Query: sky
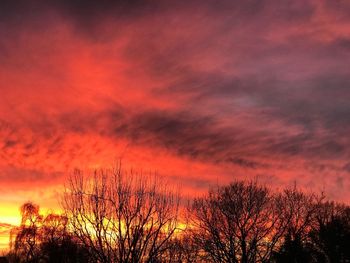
x,y
200,92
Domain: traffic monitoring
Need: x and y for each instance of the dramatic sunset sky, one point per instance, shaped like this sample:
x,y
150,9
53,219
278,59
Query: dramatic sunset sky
x,y
201,92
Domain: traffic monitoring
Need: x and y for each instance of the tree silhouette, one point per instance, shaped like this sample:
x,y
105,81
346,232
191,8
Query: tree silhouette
x,y
121,218
318,232
27,238
331,238
294,250
44,239
237,223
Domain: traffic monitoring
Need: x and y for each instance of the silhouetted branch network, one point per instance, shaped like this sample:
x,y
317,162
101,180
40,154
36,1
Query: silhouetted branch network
x,y
115,216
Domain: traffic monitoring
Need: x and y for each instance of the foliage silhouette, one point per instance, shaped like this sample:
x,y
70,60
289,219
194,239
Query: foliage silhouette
x,y
44,239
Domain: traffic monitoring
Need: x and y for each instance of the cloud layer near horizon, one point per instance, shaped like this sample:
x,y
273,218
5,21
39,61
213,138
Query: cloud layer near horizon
x,y
201,92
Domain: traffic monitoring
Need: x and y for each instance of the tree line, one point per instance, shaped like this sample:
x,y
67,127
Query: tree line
x,y
118,217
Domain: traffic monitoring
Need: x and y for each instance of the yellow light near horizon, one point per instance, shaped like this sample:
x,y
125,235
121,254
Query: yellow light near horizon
x,y
7,222
10,214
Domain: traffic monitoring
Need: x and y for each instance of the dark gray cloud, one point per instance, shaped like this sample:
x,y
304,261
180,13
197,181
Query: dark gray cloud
x,y
23,176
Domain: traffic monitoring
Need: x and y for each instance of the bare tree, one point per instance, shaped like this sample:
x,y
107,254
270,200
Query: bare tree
x,y
327,211
43,239
237,223
300,211
27,235
121,217
330,237
54,228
